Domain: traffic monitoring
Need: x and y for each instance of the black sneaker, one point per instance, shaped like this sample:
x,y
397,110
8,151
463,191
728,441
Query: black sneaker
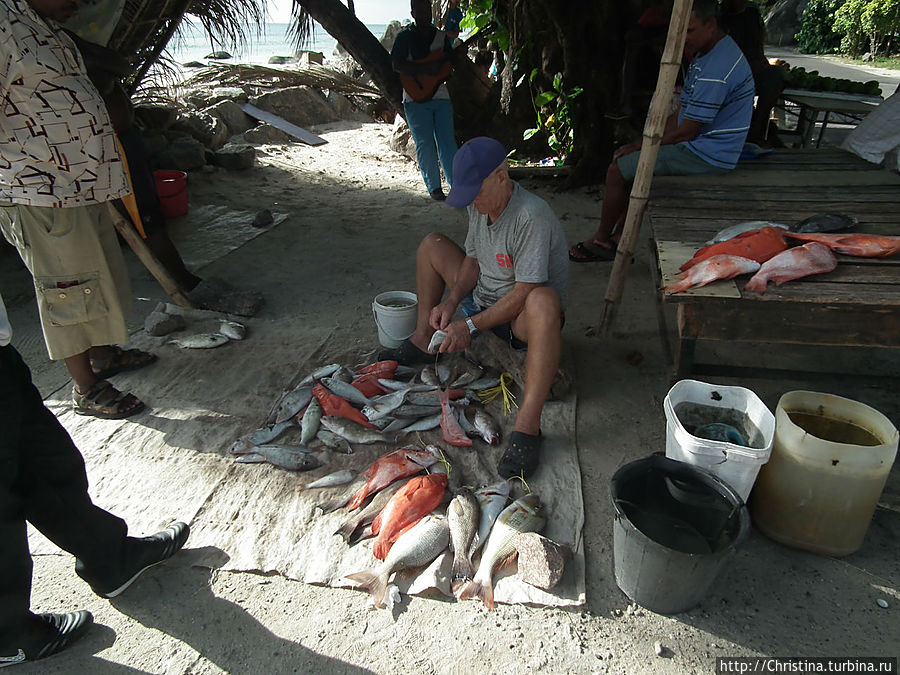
x,y
140,555
50,634
438,195
407,354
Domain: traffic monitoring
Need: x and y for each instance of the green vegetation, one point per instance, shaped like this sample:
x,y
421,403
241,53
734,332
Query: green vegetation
x,y
851,27
892,62
554,116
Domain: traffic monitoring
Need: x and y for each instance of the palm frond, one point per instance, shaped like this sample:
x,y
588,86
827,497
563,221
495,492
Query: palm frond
x,y
232,75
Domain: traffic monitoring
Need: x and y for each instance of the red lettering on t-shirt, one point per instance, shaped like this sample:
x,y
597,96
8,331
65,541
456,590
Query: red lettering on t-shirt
x,y
504,260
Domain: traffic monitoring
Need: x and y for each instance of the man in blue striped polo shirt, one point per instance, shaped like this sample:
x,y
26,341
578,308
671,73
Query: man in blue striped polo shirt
x,y
705,137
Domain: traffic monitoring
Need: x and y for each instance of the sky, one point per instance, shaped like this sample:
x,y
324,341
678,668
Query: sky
x,y
367,11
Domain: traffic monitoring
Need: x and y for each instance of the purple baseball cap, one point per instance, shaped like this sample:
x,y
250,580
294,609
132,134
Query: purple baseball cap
x,y
474,162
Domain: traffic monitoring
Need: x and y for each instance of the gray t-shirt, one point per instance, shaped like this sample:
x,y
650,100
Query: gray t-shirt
x,y
527,244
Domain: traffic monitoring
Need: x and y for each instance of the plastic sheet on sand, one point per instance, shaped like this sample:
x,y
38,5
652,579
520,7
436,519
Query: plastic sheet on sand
x,y
172,463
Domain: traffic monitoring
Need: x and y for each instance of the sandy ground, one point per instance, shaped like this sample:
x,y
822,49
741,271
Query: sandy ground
x,y
356,212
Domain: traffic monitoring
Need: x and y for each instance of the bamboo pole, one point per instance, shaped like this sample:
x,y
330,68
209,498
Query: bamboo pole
x,y
653,130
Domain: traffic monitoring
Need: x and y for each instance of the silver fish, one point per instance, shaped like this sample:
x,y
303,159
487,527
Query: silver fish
x,y
259,436
465,423
341,477
283,456
382,406
734,230
485,382
353,529
400,385
416,411
491,499
309,425
292,402
423,398
233,330
405,371
333,441
469,375
341,500
462,516
345,390
318,373
344,374
355,433
200,341
437,339
416,547
487,427
443,373
423,424
523,515
429,376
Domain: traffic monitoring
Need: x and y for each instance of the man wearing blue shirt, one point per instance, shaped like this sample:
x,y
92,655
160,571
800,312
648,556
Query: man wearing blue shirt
x,y
706,137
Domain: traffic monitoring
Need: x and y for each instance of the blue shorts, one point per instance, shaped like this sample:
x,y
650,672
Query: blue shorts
x,y
672,160
504,331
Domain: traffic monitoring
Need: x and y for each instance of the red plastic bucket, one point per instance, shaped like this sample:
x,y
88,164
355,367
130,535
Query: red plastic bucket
x,y
171,186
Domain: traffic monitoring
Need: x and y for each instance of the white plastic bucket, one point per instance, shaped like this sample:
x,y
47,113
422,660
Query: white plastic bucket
x,y
395,316
736,465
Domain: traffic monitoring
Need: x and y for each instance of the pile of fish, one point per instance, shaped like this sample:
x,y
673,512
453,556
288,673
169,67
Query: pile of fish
x,y
398,506
764,248
335,407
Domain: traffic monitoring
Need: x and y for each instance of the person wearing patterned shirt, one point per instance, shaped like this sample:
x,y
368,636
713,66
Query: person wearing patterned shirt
x,y
59,173
706,137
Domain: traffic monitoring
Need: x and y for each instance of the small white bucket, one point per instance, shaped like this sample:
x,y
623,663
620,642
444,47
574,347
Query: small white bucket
x,y
735,464
395,316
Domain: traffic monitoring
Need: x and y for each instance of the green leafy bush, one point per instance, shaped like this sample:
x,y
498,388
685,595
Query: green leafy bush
x,y
848,24
817,34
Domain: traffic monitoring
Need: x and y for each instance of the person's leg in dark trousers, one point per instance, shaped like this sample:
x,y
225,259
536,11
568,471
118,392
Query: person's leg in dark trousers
x,y
43,481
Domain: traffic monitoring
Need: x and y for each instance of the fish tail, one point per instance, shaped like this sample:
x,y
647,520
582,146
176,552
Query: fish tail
x,y
757,284
461,575
481,590
373,582
346,530
678,286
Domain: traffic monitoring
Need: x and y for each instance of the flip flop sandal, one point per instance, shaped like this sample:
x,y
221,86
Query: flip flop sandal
x,y
120,361
105,401
521,457
584,254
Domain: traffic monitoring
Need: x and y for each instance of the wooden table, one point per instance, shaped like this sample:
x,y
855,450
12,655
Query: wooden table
x,y
814,104
858,304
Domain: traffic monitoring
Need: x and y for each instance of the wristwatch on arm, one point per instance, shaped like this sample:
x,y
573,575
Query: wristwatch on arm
x,y
473,331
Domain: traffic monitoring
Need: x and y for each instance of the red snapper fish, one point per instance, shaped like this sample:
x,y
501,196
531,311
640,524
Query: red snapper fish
x,y
795,263
758,245
408,506
712,269
859,245
451,430
388,468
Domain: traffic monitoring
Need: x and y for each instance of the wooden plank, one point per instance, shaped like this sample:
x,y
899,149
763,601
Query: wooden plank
x,y
778,177
672,254
279,123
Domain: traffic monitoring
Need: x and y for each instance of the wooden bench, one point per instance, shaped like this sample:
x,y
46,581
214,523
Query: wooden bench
x,y
858,304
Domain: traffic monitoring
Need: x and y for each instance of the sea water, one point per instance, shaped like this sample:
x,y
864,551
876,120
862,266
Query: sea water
x,y
191,43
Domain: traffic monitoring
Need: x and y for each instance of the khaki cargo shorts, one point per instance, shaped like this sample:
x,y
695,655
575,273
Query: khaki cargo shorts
x,y
79,273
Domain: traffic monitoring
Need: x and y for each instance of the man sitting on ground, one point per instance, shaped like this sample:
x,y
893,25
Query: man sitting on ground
x,y
511,279
707,137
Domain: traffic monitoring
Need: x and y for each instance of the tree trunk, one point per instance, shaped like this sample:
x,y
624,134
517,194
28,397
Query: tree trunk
x,y
344,27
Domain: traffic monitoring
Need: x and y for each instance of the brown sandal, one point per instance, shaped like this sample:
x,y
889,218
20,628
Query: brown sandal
x,y
121,360
105,401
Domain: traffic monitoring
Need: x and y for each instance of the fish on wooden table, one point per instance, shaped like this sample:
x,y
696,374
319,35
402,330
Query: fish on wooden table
x,y
389,467
523,515
200,341
416,499
292,402
712,269
451,431
758,245
491,501
287,457
353,529
859,245
355,433
463,515
795,263
732,231
416,547
825,222
259,436
334,479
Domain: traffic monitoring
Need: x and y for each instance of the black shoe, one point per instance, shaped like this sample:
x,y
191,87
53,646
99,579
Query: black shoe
x,y
140,555
407,354
437,195
49,633
521,457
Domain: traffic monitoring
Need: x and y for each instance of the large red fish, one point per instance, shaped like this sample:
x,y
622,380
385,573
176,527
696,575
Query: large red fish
x,y
450,428
859,245
758,245
388,468
795,263
332,405
712,269
408,506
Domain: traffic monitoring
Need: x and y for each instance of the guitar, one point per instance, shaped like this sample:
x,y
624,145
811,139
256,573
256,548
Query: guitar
x,y
421,86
